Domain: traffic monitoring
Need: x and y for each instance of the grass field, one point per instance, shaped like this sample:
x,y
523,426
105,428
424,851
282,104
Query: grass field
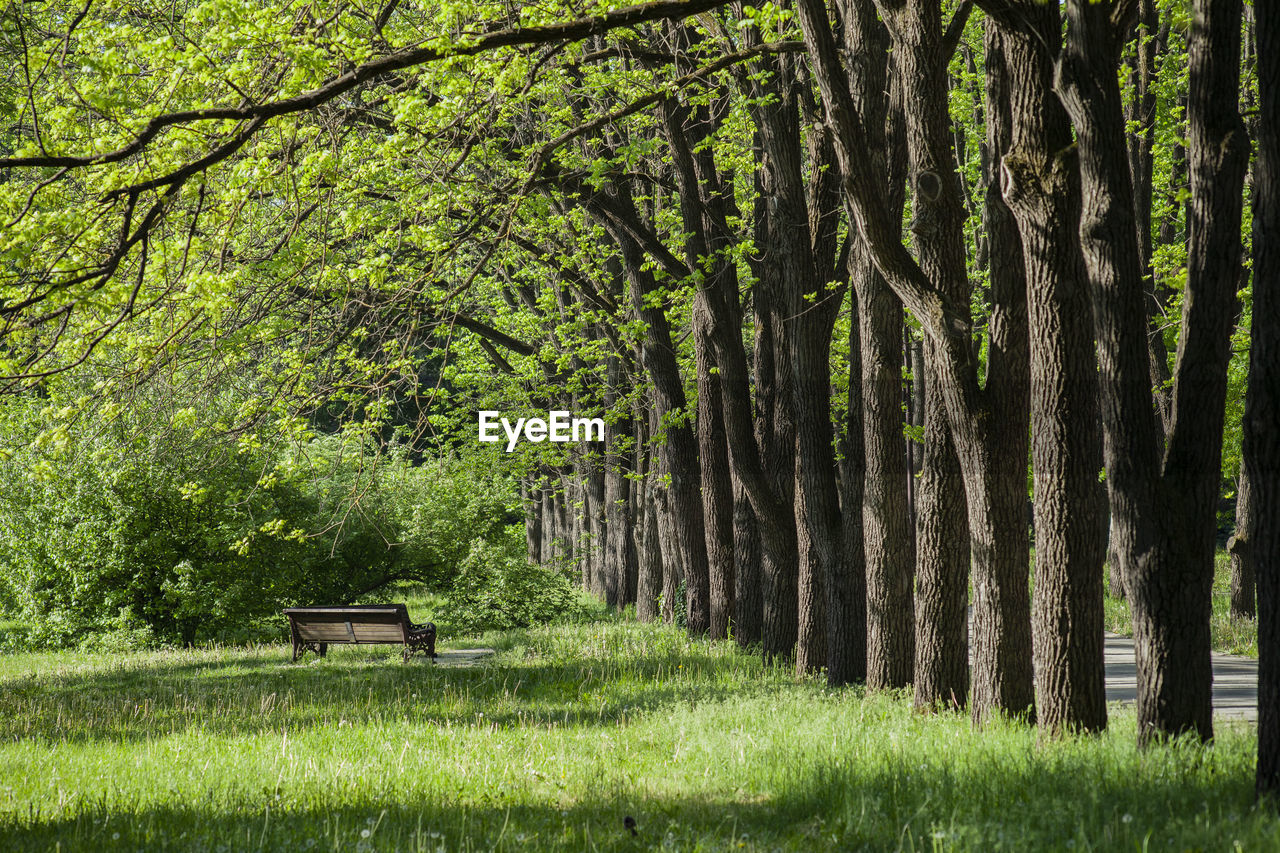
x,y
550,746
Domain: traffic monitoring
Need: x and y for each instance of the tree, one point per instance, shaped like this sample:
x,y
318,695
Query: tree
x,y
1165,502
1262,419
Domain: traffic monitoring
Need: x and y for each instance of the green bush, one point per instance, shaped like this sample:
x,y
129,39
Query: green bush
x,y
496,588
150,525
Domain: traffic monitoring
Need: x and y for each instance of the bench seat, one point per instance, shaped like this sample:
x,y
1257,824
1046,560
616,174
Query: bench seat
x,y
316,628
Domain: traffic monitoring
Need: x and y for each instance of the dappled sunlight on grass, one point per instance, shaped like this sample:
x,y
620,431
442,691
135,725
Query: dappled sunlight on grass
x,y
552,743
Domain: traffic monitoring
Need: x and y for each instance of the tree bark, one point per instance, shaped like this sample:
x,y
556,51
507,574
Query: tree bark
x,y
717,484
885,518
1165,509
621,566
1147,48
749,595
775,438
887,538
1115,571
942,535
1240,549
1262,415
531,500
1041,184
847,658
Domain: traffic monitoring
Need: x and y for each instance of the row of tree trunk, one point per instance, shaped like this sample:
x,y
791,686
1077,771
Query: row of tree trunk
x,y
850,561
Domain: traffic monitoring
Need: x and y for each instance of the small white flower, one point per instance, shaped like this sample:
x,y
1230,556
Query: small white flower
x,y
364,833
1128,818
115,836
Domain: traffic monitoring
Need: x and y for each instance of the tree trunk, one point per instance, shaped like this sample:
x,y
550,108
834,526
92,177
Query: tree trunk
x,y
1147,49
594,528
551,531
749,595
775,438
1165,509
1115,571
717,484
942,569
1041,184
916,410
887,535
885,521
672,554
649,564
620,565
994,457
823,587
1240,548
531,500
1262,416
644,491
847,634
942,535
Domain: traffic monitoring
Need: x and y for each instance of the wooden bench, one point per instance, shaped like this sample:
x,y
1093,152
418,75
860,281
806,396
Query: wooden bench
x,y
317,628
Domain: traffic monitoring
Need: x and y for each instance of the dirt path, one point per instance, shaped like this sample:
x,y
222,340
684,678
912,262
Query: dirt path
x,y
462,657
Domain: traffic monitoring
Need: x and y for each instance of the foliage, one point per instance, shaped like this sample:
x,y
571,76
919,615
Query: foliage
x,y
148,522
553,743
497,588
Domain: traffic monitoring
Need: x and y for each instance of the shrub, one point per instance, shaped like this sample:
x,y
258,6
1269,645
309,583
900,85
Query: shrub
x,y
497,588
155,527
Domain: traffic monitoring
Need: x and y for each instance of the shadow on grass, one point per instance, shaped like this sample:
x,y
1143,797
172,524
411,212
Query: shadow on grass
x,y
1069,801
263,691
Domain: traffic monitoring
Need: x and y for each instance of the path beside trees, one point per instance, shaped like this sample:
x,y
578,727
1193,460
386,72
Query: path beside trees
x,y
1235,680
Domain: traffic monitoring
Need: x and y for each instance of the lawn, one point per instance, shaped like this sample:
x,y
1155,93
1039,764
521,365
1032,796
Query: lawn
x,y
553,744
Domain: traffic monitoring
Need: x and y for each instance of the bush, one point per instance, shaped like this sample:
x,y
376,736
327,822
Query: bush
x,y
496,588
151,525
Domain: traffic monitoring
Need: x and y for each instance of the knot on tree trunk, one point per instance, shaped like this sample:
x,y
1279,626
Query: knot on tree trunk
x,y
1028,181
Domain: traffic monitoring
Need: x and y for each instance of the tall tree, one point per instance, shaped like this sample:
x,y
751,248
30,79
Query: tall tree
x,y
1164,502
1041,183
886,519
1240,549
922,51
985,419
1262,417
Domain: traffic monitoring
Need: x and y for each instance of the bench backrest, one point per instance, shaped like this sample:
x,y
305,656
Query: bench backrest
x,y
369,623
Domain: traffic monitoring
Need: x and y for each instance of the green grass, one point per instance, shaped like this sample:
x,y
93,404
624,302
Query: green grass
x,y
548,747
1233,636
